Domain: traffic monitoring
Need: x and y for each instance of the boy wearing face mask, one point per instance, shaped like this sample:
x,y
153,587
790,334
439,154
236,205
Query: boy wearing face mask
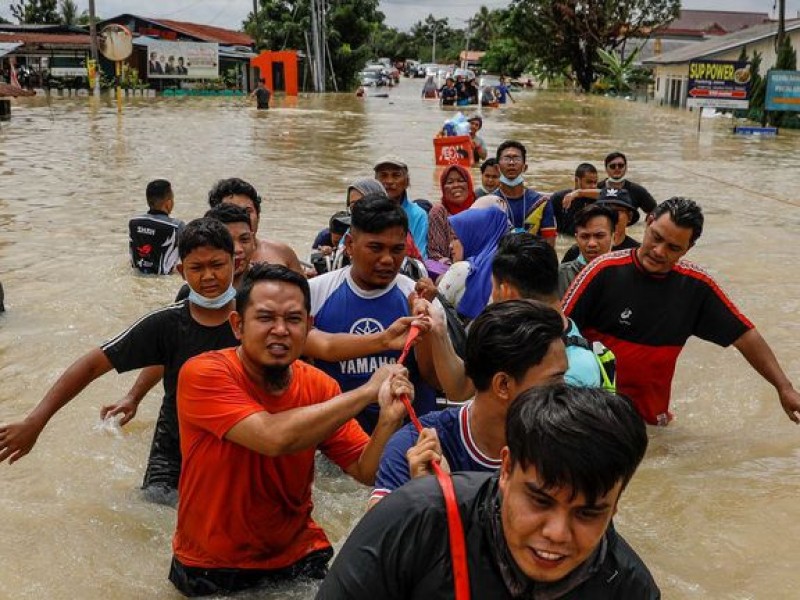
x,y
168,337
528,210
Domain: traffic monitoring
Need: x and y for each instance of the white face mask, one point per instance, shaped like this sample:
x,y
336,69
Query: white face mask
x,y
617,179
212,303
518,180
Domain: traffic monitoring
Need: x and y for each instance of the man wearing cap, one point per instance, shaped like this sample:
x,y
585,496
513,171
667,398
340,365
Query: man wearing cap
x,y
393,175
478,145
620,202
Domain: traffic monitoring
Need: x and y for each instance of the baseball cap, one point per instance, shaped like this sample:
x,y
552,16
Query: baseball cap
x,y
619,198
391,160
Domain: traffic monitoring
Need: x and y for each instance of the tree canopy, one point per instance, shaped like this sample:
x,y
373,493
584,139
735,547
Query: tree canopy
x,y
282,24
35,12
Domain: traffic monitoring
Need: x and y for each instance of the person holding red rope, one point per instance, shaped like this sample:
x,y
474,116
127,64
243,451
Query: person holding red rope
x,y
511,347
251,419
540,528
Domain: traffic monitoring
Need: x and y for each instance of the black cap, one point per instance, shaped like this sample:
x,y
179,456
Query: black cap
x,y
614,198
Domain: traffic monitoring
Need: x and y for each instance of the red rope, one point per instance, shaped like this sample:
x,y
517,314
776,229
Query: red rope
x,y
455,528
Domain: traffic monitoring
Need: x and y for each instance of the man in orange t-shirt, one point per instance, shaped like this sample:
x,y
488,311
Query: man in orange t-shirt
x,y
251,419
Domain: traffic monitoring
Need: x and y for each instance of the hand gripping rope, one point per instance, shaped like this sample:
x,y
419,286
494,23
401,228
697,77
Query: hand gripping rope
x,y
458,548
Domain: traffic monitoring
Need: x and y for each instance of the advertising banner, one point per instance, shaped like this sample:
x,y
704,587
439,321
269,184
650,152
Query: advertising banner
x,y
783,90
719,84
182,60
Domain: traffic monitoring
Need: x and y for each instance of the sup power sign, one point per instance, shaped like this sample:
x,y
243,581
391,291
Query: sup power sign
x,y
719,84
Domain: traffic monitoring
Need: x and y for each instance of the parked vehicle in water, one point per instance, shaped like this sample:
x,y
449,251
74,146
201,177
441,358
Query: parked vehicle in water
x,y
374,76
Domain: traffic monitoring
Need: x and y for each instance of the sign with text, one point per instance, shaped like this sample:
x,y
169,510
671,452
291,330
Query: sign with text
x,y
783,90
719,84
182,60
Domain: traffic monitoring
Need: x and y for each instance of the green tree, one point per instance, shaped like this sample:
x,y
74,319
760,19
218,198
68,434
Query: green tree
x,y
281,24
69,12
35,12
85,19
567,34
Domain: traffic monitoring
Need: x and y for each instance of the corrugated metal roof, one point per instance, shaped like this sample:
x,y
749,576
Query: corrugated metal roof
x,y
207,33
721,44
6,47
706,20
54,39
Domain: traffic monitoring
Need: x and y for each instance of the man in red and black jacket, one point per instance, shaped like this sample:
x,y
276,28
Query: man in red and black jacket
x,y
646,302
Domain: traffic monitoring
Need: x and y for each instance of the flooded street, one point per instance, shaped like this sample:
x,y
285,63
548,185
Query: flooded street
x,y
713,509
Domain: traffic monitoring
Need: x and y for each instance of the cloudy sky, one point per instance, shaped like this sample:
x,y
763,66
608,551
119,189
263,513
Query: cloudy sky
x,y
399,13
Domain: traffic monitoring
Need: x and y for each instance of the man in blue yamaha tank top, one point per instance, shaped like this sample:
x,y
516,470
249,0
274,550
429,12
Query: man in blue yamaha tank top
x,y
368,296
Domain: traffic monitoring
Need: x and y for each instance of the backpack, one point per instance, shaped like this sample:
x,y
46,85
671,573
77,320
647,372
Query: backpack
x,y
606,361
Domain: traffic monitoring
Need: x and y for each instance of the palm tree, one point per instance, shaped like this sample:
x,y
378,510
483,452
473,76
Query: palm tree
x,y
68,12
484,25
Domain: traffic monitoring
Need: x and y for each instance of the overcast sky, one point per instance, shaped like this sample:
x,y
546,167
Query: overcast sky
x,y
399,13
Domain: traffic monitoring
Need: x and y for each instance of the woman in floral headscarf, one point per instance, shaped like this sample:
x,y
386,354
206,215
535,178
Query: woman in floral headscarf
x,y
457,196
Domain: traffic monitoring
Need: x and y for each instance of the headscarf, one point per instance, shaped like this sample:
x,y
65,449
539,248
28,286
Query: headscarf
x,y
365,185
452,208
479,231
368,185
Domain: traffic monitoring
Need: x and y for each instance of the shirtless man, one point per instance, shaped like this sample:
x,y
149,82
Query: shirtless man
x,y
239,192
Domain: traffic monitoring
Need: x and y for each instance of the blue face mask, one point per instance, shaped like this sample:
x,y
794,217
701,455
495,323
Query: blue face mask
x,y
518,180
212,303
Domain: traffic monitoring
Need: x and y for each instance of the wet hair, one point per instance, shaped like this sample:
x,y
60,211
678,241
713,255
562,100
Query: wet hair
x,y
157,192
528,263
229,213
233,186
684,213
585,168
204,232
489,162
614,155
587,439
376,213
511,144
510,337
593,210
267,272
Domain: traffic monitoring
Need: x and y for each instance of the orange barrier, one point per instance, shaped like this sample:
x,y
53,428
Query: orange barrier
x,y
453,150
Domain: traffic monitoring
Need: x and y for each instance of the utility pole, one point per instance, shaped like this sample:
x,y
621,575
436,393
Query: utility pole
x,y
433,49
256,28
465,62
93,38
781,25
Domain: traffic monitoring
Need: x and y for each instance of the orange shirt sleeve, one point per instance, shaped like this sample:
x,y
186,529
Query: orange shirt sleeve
x,y
212,395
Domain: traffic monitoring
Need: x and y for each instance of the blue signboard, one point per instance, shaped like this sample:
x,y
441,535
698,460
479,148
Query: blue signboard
x,y
783,90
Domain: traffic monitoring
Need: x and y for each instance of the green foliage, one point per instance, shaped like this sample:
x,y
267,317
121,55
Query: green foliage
x,y
35,12
85,20
620,74
503,56
68,12
282,24
567,35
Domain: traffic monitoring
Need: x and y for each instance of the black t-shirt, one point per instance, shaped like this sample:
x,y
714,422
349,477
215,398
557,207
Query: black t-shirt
x,y
574,252
401,550
565,218
167,336
262,97
640,197
153,242
448,95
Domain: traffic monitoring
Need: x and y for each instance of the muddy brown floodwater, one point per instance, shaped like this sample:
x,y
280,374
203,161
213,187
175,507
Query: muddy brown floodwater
x,y
713,509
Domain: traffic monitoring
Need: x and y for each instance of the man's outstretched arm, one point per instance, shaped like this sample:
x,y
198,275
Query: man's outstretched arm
x,y
760,356
17,439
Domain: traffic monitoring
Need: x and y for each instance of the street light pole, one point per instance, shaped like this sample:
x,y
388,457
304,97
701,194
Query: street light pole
x,y
433,49
93,38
